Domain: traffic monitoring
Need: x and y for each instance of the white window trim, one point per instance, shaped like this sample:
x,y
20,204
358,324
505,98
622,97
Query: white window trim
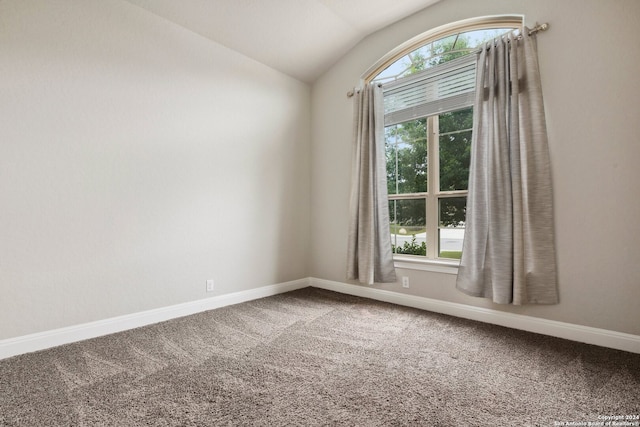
x,y
415,262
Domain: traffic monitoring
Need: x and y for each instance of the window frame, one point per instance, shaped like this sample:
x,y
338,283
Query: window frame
x,y
432,261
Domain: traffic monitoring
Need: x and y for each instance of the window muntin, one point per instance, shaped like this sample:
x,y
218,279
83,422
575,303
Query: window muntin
x,y
428,189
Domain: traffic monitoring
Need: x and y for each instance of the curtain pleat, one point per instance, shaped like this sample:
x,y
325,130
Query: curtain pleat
x,y
509,251
369,256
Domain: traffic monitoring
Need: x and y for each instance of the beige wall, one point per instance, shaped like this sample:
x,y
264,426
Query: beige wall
x,y
589,61
137,160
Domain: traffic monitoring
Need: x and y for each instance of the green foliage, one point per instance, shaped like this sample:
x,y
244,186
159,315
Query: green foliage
x,y
406,147
409,215
453,211
415,248
455,157
455,149
411,248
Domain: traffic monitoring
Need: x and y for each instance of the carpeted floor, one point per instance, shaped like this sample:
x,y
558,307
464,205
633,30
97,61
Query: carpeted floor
x,y
313,357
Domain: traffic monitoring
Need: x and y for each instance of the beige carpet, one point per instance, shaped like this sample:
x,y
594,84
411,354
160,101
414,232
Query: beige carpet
x,y
313,357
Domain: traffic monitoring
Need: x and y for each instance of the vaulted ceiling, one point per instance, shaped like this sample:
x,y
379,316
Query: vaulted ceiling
x,y
301,38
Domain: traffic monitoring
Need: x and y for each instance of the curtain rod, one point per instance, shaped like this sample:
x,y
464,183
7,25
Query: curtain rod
x,y
536,29
541,27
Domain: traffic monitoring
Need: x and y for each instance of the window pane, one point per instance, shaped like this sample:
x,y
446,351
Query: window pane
x,y
406,157
438,52
455,149
452,213
408,226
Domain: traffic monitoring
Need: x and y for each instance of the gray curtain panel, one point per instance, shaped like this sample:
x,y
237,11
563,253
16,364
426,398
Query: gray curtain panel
x,y
369,256
508,252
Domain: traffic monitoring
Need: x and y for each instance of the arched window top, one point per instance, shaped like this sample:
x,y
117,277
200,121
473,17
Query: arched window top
x,y
440,45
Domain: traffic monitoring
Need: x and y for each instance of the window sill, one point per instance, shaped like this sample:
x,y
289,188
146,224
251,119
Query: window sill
x,y
415,263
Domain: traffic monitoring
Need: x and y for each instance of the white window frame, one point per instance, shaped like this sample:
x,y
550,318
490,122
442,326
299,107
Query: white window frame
x,y
431,262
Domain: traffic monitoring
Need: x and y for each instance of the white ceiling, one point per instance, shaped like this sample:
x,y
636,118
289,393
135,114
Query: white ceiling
x,y
301,38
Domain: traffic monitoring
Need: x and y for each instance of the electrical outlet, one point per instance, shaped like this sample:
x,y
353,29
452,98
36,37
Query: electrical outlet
x,y
210,285
405,282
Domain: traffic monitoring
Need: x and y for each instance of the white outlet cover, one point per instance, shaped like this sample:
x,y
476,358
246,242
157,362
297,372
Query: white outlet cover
x,y
210,285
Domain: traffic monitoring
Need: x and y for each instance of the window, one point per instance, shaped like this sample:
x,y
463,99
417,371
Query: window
x,y
428,94
427,194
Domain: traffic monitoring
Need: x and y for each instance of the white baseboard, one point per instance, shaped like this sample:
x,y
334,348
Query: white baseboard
x,y
585,334
43,340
